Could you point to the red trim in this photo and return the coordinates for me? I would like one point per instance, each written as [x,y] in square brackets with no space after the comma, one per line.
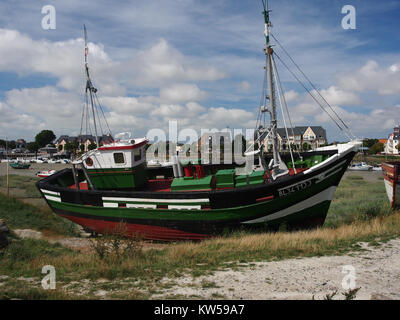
[264,199]
[105,148]
[148,232]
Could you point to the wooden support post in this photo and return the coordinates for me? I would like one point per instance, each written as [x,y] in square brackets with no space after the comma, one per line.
[87,177]
[75,174]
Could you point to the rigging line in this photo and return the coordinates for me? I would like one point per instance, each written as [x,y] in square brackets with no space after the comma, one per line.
[283,115]
[101,109]
[312,85]
[83,114]
[309,92]
[286,106]
[97,113]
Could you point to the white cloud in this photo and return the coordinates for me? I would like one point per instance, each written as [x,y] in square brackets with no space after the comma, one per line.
[182,93]
[372,77]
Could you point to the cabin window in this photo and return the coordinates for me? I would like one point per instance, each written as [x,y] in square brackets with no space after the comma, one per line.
[119,158]
[137,153]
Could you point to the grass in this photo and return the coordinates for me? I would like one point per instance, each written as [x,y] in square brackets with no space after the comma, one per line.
[19,215]
[24,186]
[355,199]
[359,213]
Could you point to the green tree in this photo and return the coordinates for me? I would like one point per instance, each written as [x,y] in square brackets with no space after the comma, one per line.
[369,142]
[44,137]
[306,146]
[376,148]
[33,147]
[60,147]
[92,146]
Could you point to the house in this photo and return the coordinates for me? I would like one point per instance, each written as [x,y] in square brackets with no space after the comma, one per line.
[393,142]
[313,136]
[84,140]
[20,144]
[48,149]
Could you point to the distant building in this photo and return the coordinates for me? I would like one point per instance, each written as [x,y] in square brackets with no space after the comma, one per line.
[393,141]
[84,140]
[48,149]
[314,136]
[20,144]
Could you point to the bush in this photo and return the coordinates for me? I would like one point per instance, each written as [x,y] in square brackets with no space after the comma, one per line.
[117,244]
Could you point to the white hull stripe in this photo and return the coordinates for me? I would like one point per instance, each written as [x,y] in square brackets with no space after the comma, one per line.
[50,192]
[52,198]
[156,200]
[310,202]
[184,207]
[142,206]
[110,204]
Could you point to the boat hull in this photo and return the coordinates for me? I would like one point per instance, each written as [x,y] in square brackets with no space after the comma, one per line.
[390,172]
[296,202]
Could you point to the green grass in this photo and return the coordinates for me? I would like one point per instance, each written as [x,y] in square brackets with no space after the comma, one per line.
[19,215]
[24,184]
[355,199]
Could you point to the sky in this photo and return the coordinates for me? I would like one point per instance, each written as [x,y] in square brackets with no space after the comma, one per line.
[200,63]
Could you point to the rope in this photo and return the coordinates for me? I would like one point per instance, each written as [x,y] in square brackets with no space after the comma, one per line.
[315,99]
[311,84]
[283,116]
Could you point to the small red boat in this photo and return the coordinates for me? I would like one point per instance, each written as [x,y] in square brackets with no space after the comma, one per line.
[45,174]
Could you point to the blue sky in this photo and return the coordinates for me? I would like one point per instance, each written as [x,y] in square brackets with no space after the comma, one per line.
[197,62]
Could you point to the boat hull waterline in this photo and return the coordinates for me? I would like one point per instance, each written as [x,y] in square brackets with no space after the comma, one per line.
[299,201]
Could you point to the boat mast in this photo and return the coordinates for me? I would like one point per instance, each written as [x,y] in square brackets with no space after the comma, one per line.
[268,53]
[89,86]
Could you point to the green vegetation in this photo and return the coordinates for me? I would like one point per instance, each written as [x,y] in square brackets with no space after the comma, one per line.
[44,137]
[356,199]
[18,214]
[359,213]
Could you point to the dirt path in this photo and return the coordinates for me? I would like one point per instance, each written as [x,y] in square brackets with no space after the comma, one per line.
[377,272]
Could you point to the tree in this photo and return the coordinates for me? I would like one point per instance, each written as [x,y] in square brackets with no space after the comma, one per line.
[60,147]
[33,147]
[369,142]
[306,146]
[44,137]
[2,143]
[92,146]
[376,148]
[82,147]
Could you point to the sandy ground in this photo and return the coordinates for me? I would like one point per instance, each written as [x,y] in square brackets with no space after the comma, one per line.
[377,274]
[34,168]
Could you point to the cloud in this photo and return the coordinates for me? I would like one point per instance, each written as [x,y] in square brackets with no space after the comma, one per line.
[182,93]
[374,78]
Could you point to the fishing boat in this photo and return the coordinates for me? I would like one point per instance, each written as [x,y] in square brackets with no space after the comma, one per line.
[20,165]
[391,173]
[361,166]
[46,173]
[194,200]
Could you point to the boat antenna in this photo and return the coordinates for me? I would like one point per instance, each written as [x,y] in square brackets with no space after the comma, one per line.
[89,86]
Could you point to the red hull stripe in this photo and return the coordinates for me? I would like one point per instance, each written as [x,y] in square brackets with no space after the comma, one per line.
[123,147]
[264,199]
[148,232]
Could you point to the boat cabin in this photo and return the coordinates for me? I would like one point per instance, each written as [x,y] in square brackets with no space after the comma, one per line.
[118,165]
